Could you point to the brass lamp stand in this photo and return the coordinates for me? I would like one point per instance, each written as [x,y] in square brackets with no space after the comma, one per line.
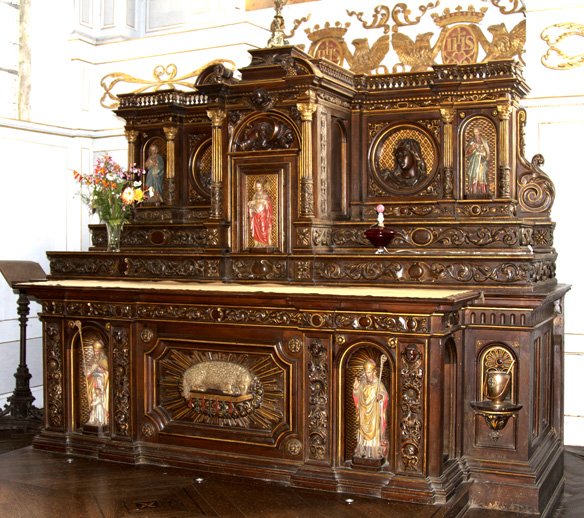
[20,413]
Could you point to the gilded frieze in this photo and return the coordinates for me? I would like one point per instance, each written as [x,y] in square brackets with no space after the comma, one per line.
[236,315]
[432,272]
[381,322]
[555,37]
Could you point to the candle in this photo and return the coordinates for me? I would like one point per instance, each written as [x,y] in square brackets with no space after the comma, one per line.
[380,209]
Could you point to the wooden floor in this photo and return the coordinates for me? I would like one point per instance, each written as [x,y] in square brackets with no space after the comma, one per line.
[36,484]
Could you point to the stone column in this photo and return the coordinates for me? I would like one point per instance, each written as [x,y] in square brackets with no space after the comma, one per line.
[170,133]
[448,115]
[217,117]
[306,182]
[504,169]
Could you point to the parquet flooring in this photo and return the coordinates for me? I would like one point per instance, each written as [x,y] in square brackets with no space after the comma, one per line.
[37,484]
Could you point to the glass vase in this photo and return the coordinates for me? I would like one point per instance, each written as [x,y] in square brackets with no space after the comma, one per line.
[114,232]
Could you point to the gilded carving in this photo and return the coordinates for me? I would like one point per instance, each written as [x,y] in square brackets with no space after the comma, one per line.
[121,381]
[295,345]
[294,447]
[147,335]
[54,373]
[556,58]
[411,424]
[237,391]
[221,389]
[318,399]
[382,322]
[108,82]
[303,269]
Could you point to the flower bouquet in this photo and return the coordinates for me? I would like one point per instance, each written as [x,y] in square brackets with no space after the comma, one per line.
[112,193]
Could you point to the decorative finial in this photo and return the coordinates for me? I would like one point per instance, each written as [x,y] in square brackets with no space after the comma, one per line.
[277,39]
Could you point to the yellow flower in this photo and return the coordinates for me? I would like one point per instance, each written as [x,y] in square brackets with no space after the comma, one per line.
[138,195]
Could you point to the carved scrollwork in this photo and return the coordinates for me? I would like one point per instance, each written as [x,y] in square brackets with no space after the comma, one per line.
[121,381]
[264,133]
[536,191]
[318,399]
[259,269]
[54,373]
[411,424]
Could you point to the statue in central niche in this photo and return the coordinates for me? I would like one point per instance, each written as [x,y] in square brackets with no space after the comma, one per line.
[154,166]
[260,216]
[371,398]
[410,167]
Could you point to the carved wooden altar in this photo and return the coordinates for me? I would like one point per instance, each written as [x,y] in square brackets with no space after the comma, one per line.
[247,366]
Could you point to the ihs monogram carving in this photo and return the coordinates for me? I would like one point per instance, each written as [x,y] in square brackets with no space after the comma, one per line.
[318,399]
[121,381]
[411,424]
[54,373]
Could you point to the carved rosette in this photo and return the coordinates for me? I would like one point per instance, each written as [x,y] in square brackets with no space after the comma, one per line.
[318,400]
[411,424]
[54,373]
[121,381]
[448,116]
[295,345]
